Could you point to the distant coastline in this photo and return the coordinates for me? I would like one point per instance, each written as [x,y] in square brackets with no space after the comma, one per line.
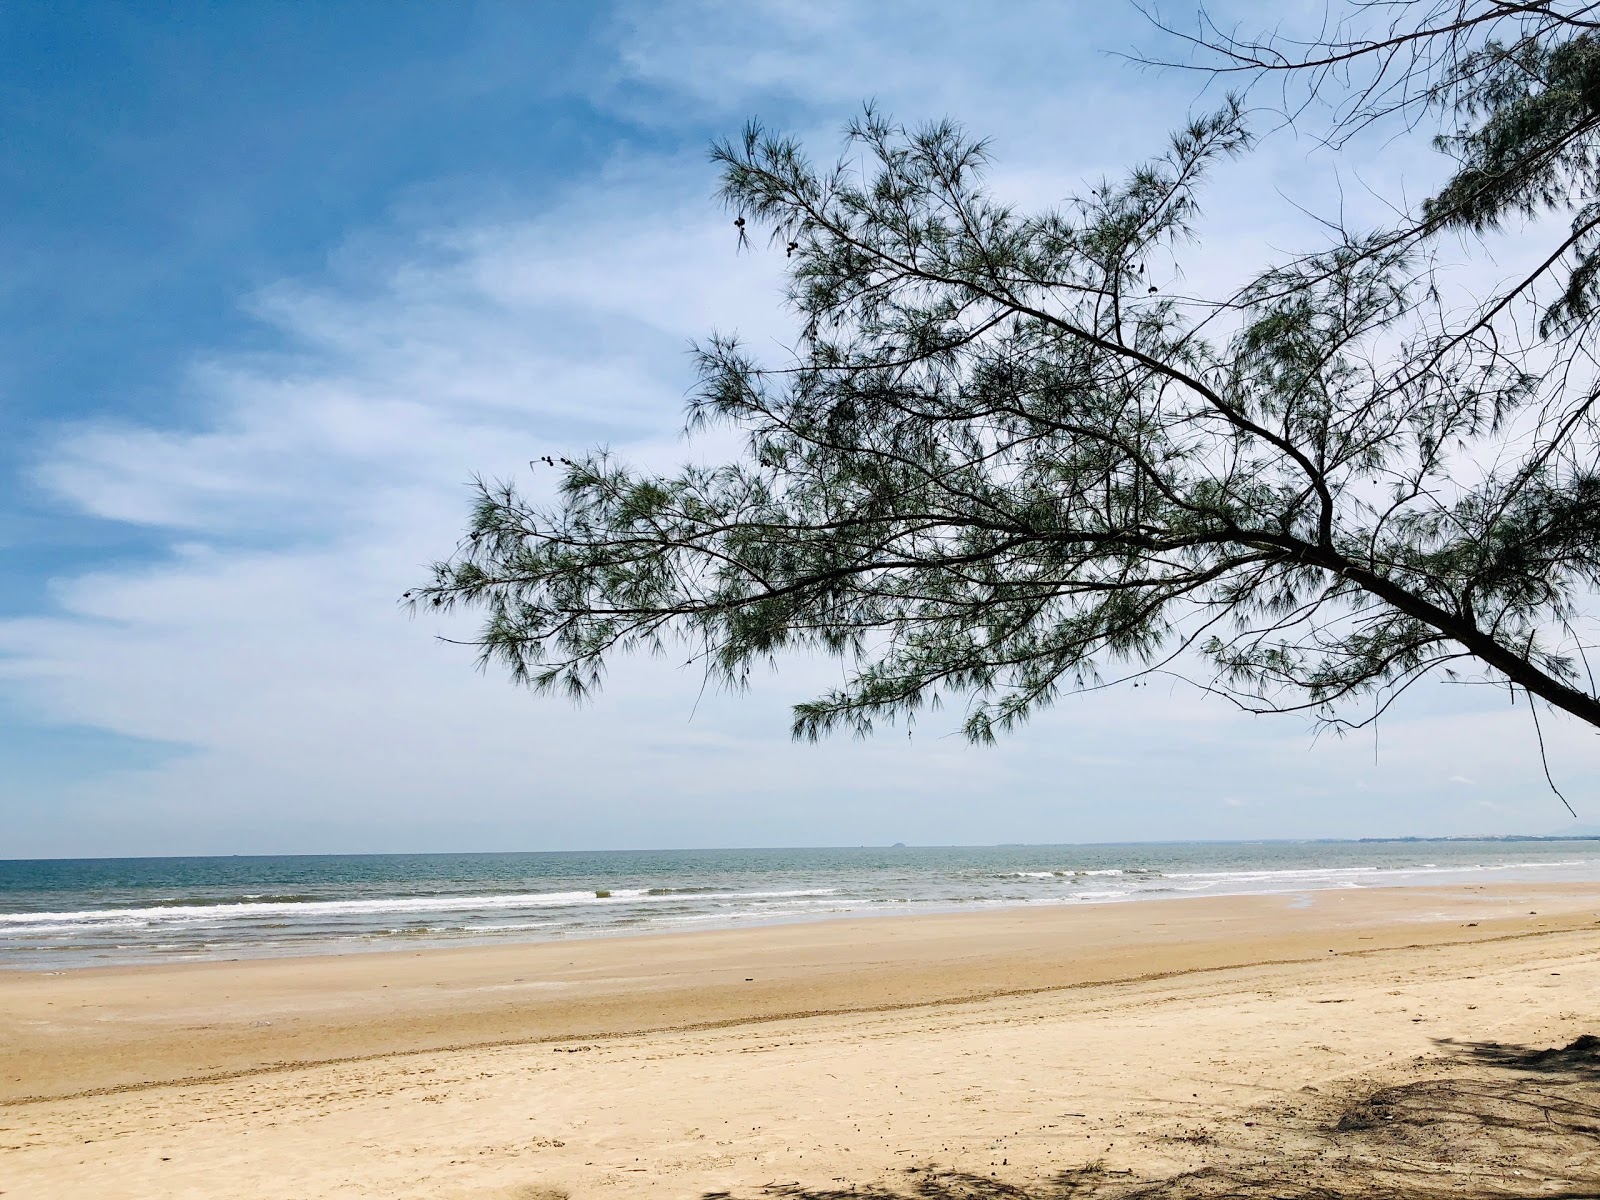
[1500,837]
[1591,836]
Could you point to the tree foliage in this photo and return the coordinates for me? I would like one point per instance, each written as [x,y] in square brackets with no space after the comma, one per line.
[1007,457]
[1514,87]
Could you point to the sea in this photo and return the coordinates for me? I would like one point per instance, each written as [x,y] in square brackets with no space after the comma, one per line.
[57,914]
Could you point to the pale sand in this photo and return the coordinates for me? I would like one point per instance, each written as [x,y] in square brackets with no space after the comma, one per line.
[1155,1037]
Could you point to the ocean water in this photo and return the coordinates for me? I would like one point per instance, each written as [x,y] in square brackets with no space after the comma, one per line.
[61,913]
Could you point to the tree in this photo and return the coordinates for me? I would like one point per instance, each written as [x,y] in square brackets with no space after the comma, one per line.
[1007,458]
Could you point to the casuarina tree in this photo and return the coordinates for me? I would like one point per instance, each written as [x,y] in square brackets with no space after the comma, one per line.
[1007,457]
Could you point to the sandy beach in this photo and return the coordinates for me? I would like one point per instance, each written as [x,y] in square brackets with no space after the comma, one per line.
[1063,1050]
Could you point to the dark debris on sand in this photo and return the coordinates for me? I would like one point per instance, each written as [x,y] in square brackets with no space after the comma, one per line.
[1491,1122]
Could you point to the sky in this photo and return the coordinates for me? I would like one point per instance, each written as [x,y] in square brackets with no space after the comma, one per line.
[282,279]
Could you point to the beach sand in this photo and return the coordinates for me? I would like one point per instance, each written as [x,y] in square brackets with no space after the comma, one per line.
[1079,1051]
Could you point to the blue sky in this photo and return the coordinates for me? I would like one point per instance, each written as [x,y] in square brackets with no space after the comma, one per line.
[281,278]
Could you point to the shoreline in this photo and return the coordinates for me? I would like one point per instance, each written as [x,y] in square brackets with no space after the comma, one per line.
[129,912]
[90,1029]
[426,941]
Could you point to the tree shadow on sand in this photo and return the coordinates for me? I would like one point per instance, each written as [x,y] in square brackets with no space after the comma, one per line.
[1489,1122]
[1579,1061]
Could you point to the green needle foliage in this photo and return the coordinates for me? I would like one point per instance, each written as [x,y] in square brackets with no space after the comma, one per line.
[1515,86]
[1006,459]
